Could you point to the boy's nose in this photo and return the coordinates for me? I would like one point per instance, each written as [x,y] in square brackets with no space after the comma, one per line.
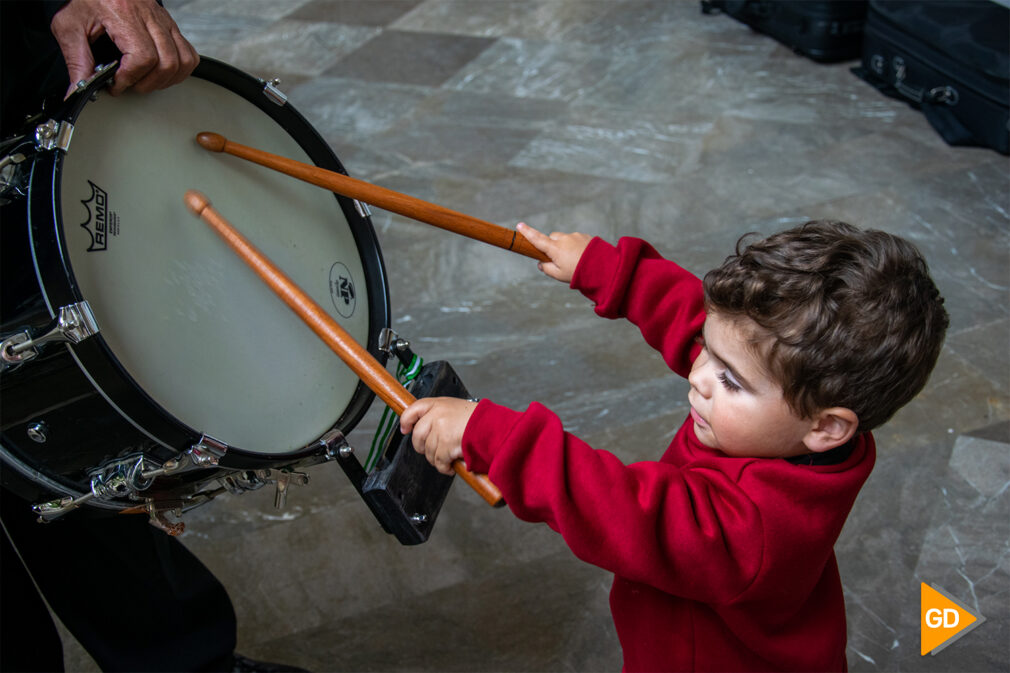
[697,379]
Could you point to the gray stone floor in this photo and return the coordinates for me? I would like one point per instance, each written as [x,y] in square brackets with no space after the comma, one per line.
[610,117]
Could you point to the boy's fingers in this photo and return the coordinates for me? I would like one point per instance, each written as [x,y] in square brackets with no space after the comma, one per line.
[430,423]
[444,466]
[414,412]
[432,439]
[547,245]
[540,241]
[442,460]
[551,269]
[425,439]
[417,436]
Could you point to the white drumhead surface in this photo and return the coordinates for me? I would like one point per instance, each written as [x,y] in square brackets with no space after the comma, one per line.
[189,321]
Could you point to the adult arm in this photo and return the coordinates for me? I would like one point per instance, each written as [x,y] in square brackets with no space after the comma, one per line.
[155,54]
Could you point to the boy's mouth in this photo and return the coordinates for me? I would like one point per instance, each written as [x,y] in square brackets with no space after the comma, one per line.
[698,419]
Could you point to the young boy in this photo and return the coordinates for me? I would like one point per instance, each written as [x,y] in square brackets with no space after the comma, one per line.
[722,551]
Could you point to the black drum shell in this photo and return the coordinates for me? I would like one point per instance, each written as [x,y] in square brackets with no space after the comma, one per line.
[89,422]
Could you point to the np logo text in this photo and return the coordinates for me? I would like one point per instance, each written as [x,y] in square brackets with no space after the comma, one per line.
[342,290]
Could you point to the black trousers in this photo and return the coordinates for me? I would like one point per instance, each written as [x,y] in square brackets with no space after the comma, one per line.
[134,597]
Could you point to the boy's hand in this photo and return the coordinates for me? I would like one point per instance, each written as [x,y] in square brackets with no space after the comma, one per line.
[437,424]
[565,250]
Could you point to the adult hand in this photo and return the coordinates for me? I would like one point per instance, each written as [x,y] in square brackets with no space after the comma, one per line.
[564,250]
[155,54]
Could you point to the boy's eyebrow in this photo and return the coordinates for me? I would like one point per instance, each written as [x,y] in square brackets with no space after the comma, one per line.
[732,370]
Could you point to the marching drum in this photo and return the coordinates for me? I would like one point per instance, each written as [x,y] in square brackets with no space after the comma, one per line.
[142,363]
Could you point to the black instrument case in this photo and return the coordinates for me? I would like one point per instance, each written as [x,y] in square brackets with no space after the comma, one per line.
[950,59]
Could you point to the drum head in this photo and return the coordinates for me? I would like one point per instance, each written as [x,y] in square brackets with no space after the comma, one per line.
[193,327]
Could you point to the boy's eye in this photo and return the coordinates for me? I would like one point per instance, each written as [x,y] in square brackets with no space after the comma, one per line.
[728,382]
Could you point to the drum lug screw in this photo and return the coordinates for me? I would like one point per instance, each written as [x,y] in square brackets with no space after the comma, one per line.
[419,519]
[38,432]
[344,451]
[274,94]
[334,444]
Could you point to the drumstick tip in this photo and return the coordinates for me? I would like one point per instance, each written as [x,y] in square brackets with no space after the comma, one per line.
[195,201]
[214,142]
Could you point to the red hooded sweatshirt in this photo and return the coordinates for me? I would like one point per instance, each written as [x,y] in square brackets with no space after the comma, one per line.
[720,563]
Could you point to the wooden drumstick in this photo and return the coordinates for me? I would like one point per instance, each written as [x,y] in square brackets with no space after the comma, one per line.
[387,199]
[367,368]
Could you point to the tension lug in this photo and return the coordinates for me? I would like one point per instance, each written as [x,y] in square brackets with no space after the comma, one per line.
[73,324]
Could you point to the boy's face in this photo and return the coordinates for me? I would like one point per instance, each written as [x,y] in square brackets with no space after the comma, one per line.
[736,407]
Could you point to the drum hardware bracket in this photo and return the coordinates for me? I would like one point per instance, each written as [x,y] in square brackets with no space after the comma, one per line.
[38,432]
[207,452]
[100,71]
[362,209]
[123,478]
[243,481]
[156,510]
[13,141]
[13,177]
[335,445]
[74,323]
[53,135]
[285,480]
[274,94]
[161,522]
[54,509]
[392,343]
[140,479]
[129,476]
[252,480]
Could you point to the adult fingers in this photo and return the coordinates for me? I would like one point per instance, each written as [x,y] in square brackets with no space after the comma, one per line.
[188,56]
[155,54]
[76,50]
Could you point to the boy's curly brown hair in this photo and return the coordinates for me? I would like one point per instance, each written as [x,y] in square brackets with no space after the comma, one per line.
[846,317]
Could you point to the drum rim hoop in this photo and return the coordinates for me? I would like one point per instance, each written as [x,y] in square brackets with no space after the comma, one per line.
[59,286]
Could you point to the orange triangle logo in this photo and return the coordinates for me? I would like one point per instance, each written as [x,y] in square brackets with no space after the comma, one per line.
[942,620]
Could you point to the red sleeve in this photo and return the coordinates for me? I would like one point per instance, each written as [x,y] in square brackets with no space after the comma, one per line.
[631,280]
[691,532]
[715,529]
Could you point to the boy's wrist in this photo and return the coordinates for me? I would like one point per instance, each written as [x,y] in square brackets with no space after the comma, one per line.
[595,267]
[488,426]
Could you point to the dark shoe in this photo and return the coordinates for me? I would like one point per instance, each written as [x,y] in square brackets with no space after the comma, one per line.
[242,664]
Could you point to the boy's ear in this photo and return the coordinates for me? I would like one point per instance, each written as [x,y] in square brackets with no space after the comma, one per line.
[832,427]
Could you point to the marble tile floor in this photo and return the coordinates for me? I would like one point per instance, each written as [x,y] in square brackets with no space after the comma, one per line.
[637,117]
